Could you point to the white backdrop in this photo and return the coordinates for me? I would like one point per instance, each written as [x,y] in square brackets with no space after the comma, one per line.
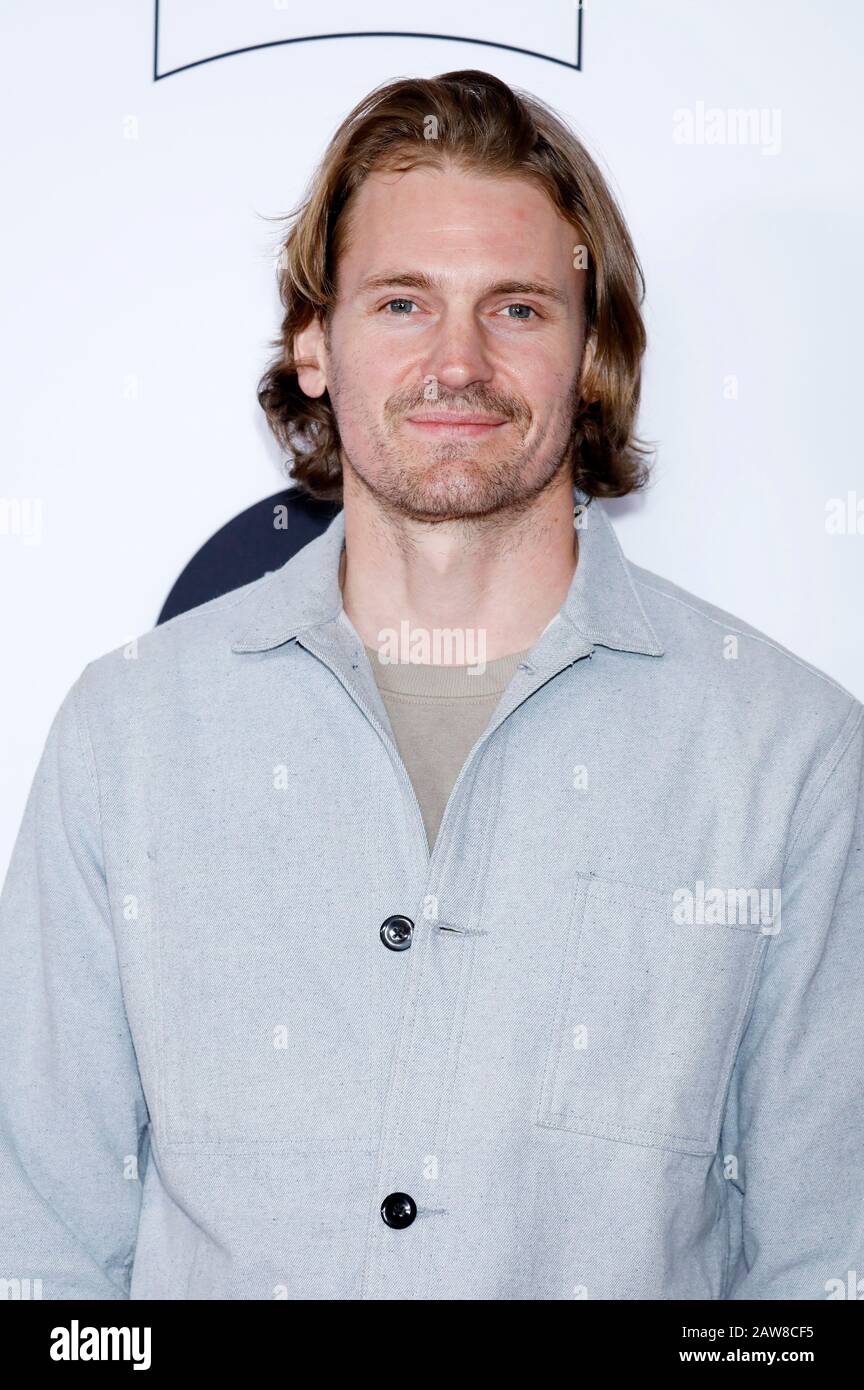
[140,297]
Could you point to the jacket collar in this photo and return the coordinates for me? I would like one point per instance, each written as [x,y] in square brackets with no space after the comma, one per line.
[602,606]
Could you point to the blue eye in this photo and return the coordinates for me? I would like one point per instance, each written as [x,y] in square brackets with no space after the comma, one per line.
[528,307]
[398,301]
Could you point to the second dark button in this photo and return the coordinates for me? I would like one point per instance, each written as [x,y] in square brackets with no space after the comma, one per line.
[399,1209]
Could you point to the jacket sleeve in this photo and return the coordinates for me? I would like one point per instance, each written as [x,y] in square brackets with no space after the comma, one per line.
[793,1138]
[72,1112]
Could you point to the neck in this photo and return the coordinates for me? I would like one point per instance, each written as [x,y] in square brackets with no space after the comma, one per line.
[502,578]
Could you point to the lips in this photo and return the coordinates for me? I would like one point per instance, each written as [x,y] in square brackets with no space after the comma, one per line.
[459,417]
[460,422]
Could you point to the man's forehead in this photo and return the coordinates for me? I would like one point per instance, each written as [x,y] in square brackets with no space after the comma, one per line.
[448,186]
[454,219]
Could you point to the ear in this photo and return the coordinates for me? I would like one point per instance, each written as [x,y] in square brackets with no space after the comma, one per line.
[310,353]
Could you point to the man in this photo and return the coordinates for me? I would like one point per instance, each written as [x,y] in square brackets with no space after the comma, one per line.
[332,973]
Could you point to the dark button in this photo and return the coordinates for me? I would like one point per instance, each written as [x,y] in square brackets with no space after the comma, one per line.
[398,1209]
[396,933]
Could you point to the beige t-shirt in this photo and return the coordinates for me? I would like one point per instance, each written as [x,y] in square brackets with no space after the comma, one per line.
[437,714]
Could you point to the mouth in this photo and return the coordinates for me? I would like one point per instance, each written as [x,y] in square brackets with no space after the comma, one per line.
[461,423]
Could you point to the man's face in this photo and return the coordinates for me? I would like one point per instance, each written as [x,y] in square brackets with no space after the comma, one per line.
[455,344]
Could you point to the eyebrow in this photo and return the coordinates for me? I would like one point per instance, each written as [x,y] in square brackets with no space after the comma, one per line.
[418,280]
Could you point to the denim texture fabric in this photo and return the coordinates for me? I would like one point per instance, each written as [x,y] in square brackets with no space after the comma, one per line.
[621,1059]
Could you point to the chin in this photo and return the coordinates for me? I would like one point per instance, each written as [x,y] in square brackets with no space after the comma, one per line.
[451,500]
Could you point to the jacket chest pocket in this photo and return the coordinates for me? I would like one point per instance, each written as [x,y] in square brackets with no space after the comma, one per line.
[647,1019]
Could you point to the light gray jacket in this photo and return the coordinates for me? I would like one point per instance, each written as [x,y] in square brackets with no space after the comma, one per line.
[620,1055]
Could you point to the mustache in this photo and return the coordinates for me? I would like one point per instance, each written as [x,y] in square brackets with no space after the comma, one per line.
[481,401]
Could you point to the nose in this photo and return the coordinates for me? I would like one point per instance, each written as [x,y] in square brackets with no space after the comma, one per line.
[458,354]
